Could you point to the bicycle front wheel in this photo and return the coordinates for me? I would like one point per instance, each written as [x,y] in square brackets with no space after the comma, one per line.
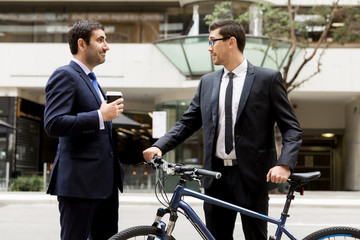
[139,232]
[334,233]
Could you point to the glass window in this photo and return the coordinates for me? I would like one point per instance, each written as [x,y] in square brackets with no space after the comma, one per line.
[125,22]
[191,150]
[130,22]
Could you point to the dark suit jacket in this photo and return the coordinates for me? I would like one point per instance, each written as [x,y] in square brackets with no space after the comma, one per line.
[86,163]
[263,102]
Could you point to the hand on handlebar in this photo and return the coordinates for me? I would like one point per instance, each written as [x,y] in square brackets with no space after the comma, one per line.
[188,172]
[151,152]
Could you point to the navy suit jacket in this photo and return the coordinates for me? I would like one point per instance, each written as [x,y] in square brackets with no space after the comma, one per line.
[263,102]
[86,163]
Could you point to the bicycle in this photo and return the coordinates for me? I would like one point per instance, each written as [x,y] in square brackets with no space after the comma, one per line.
[161,230]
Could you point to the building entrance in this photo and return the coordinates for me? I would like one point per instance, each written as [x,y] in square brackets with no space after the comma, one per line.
[321,155]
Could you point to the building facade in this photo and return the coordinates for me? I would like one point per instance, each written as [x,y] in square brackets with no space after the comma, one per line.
[162,75]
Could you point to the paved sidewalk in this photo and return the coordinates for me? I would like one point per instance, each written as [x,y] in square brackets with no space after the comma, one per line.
[310,198]
[35,215]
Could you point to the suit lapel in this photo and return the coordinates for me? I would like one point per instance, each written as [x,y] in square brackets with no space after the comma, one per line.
[215,95]
[249,80]
[90,86]
[87,81]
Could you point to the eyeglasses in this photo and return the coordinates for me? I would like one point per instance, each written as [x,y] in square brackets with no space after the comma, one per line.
[212,41]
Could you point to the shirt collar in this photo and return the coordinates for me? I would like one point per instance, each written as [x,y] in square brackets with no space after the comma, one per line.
[239,69]
[83,66]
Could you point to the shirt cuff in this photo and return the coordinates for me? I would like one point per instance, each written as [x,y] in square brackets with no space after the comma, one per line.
[101,120]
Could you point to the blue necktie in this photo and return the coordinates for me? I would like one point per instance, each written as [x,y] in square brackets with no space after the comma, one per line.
[228,115]
[95,84]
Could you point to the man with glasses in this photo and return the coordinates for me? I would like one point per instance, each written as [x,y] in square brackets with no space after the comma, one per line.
[238,106]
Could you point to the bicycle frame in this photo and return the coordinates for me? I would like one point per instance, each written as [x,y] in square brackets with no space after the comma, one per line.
[181,191]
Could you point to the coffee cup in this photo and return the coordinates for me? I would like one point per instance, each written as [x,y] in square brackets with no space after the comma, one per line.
[113,95]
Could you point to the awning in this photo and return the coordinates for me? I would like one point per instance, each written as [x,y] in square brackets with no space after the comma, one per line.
[123,120]
[5,124]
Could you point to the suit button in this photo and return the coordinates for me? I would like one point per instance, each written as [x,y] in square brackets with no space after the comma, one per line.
[111,154]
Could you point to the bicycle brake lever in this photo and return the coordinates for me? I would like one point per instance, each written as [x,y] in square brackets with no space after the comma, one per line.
[197,180]
[152,163]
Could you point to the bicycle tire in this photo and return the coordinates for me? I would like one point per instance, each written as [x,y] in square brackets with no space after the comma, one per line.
[335,233]
[138,232]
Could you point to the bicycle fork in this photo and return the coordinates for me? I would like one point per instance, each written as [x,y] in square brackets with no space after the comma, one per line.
[165,233]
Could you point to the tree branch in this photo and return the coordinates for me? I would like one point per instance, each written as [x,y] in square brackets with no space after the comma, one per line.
[317,46]
[293,44]
[293,86]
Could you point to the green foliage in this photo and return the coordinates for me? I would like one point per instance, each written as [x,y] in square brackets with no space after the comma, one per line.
[323,11]
[222,11]
[28,183]
[243,18]
[276,21]
[350,31]
[320,25]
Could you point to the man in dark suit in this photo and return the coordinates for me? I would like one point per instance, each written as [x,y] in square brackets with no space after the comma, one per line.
[87,173]
[243,148]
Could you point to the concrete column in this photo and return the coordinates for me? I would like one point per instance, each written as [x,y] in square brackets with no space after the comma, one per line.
[255,24]
[352,146]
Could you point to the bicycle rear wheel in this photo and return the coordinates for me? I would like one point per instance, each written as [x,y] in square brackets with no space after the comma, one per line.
[139,232]
[334,233]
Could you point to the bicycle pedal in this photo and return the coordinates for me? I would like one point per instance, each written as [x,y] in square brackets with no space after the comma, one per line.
[272,238]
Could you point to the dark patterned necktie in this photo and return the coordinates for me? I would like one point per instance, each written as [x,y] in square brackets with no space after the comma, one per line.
[228,115]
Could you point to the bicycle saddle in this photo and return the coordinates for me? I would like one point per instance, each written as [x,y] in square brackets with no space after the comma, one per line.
[304,177]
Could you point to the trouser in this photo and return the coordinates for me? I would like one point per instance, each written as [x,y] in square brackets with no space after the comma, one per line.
[93,219]
[221,221]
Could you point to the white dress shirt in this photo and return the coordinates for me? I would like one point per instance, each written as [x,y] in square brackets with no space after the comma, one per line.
[87,71]
[238,83]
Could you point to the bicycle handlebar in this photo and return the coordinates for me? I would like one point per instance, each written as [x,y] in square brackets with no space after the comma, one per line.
[208,173]
[179,169]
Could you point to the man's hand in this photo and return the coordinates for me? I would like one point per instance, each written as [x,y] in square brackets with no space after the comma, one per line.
[151,152]
[111,110]
[278,174]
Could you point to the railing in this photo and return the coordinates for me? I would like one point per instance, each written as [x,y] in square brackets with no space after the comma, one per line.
[138,178]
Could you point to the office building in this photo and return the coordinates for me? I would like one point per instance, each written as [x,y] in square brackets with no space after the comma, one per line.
[158,52]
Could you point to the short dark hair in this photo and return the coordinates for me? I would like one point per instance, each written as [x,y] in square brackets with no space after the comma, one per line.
[82,29]
[230,28]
